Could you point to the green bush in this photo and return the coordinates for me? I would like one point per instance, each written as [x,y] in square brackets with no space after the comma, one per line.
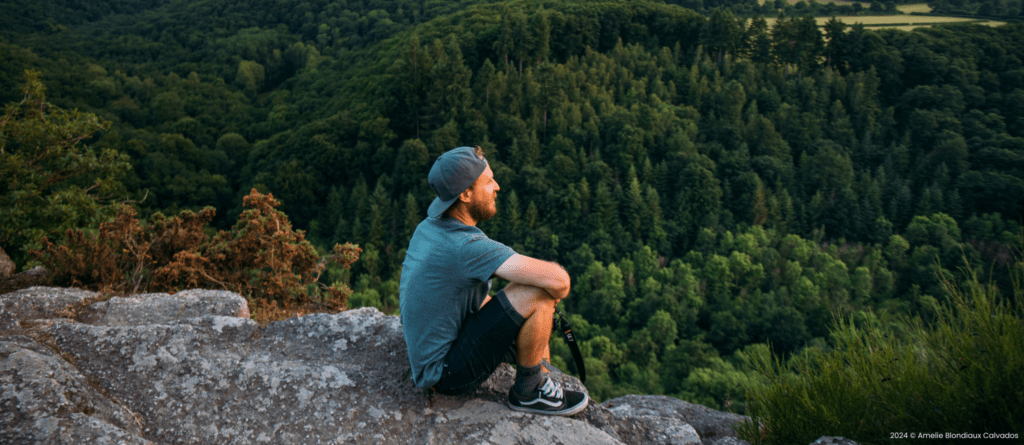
[962,373]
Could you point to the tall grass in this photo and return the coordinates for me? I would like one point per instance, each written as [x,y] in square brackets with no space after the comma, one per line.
[962,373]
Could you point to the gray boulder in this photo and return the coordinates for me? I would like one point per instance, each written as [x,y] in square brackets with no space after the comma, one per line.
[36,276]
[144,309]
[313,379]
[709,424]
[833,440]
[192,368]
[47,302]
[44,399]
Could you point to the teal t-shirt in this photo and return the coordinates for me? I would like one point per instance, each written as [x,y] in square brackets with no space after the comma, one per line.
[445,277]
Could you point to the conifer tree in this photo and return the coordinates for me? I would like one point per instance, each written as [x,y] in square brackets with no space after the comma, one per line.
[50,181]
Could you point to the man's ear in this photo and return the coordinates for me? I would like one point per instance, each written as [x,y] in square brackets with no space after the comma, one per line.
[467,195]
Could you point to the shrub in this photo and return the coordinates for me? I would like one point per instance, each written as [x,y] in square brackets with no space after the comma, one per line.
[261,258]
[960,374]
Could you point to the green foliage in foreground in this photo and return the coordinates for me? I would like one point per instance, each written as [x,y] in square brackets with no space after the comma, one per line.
[960,374]
[49,180]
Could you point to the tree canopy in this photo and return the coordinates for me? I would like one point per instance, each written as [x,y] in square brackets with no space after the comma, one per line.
[711,183]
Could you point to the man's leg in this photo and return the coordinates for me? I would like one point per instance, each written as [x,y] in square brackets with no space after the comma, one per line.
[485,341]
[533,391]
[538,308]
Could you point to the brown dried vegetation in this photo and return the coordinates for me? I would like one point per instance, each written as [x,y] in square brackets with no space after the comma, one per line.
[261,258]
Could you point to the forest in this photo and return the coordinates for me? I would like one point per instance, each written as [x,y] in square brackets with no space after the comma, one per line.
[716,187]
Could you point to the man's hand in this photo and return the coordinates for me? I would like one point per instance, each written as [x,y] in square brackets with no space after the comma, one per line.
[533,272]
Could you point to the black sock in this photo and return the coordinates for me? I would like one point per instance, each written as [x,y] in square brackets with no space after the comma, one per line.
[528,378]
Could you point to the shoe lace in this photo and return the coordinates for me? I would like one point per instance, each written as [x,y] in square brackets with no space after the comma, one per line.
[551,389]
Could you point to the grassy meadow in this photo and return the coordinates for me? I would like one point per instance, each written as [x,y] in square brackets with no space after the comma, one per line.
[916,7]
[838,2]
[905,21]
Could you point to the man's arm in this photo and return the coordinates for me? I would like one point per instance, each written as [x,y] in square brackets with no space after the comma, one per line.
[537,273]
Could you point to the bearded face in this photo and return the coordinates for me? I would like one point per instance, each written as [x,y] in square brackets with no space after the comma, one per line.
[482,195]
[485,207]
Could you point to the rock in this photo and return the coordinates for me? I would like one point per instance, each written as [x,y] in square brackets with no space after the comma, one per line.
[192,368]
[46,400]
[35,276]
[7,267]
[729,440]
[46,302]
[830,440]
[318,378]
[146,309]
[708,423]
[8,323]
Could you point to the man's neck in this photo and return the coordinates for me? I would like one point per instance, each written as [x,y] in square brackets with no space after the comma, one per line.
[462,215]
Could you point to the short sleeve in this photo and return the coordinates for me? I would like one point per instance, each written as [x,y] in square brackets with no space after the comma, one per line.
[482,256]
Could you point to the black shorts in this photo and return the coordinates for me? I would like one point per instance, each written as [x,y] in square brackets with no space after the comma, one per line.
[487,340]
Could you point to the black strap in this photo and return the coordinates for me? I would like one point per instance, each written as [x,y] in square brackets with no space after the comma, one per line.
[571,339]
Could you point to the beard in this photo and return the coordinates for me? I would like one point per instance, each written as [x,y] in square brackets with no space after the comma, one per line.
[483,211]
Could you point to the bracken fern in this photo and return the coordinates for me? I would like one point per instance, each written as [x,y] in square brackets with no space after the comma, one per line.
[261,258]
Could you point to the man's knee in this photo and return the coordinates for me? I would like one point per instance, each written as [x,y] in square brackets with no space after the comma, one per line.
[527,299]
[523,291]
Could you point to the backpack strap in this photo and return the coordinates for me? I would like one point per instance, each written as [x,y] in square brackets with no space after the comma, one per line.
[575,348]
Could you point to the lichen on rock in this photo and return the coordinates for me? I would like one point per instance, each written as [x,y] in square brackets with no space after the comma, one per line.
[193,368]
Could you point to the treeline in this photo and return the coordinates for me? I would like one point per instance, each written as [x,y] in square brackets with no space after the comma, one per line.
[989,8]
[711,183]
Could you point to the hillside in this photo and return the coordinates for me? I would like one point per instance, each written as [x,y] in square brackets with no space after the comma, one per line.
[715,187]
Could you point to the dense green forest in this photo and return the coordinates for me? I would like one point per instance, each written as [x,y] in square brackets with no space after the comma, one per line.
[710,183]
[991,8]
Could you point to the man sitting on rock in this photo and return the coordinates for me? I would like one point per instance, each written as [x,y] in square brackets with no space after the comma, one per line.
[456,333]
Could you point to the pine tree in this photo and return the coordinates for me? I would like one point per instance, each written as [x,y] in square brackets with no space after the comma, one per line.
[532,217]
[633,209]
[505,43]
[541,23]
[412,218]
[513,224]
[835,48]
[381,219]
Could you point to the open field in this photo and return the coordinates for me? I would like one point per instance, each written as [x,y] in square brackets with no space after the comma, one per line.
[838,2]
[910,27]
[904,22]
[906,9]
[916,7]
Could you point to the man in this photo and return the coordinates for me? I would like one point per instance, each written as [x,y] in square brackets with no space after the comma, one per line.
[456,334]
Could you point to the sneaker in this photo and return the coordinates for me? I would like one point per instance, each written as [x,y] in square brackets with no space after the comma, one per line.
[548,399]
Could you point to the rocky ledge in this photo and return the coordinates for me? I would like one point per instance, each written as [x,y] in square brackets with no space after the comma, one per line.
[193,368]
